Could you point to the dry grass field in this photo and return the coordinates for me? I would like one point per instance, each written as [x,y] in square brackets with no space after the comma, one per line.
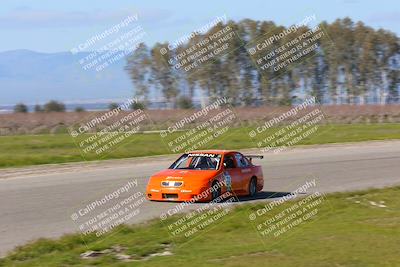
[57,122]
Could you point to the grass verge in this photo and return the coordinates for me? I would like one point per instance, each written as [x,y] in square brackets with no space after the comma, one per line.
[23,150]
[350,229]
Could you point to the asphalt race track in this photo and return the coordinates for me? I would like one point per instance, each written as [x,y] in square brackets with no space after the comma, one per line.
[38,201]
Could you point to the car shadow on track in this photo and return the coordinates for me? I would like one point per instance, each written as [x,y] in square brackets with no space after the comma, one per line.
[264,195]
[267,195]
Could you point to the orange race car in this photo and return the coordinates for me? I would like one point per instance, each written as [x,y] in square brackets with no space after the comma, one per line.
[206,175]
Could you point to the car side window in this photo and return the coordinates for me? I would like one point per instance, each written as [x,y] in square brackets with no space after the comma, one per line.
[229,163]
[241,161]
[246,161]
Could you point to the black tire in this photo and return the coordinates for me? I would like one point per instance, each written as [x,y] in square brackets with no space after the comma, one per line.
[215,190]
[253,187]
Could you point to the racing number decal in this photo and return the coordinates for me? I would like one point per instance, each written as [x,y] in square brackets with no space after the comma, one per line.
[228,181]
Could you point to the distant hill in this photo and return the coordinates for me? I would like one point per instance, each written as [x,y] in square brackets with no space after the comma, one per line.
[32,77]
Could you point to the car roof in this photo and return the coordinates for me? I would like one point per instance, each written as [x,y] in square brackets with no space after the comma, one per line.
[213,151]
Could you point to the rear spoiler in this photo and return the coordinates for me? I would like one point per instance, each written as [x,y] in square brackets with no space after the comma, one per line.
[254,156]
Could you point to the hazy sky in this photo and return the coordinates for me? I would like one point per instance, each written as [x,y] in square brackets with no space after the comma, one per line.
[52,26]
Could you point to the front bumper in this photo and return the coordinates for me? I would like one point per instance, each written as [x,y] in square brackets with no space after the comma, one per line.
[177,194]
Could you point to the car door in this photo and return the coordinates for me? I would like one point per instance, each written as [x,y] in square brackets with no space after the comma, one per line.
[244,172]
[231,173]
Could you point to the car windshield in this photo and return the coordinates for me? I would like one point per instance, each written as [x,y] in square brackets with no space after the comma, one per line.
[197,161]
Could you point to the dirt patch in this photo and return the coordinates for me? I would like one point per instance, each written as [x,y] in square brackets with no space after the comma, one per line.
[119,252]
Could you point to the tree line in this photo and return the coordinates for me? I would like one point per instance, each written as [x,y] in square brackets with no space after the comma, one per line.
[57,106]
[51,106]
[361,67]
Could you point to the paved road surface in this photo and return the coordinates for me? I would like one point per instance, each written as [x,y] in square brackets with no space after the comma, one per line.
[38,201]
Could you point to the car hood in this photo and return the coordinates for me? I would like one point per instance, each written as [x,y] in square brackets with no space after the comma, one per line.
[177,175]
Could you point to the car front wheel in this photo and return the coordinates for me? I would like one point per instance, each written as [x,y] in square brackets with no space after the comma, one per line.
[215,190]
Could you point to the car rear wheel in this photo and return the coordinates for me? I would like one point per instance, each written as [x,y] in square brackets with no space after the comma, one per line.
[215,190]
[253,187]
